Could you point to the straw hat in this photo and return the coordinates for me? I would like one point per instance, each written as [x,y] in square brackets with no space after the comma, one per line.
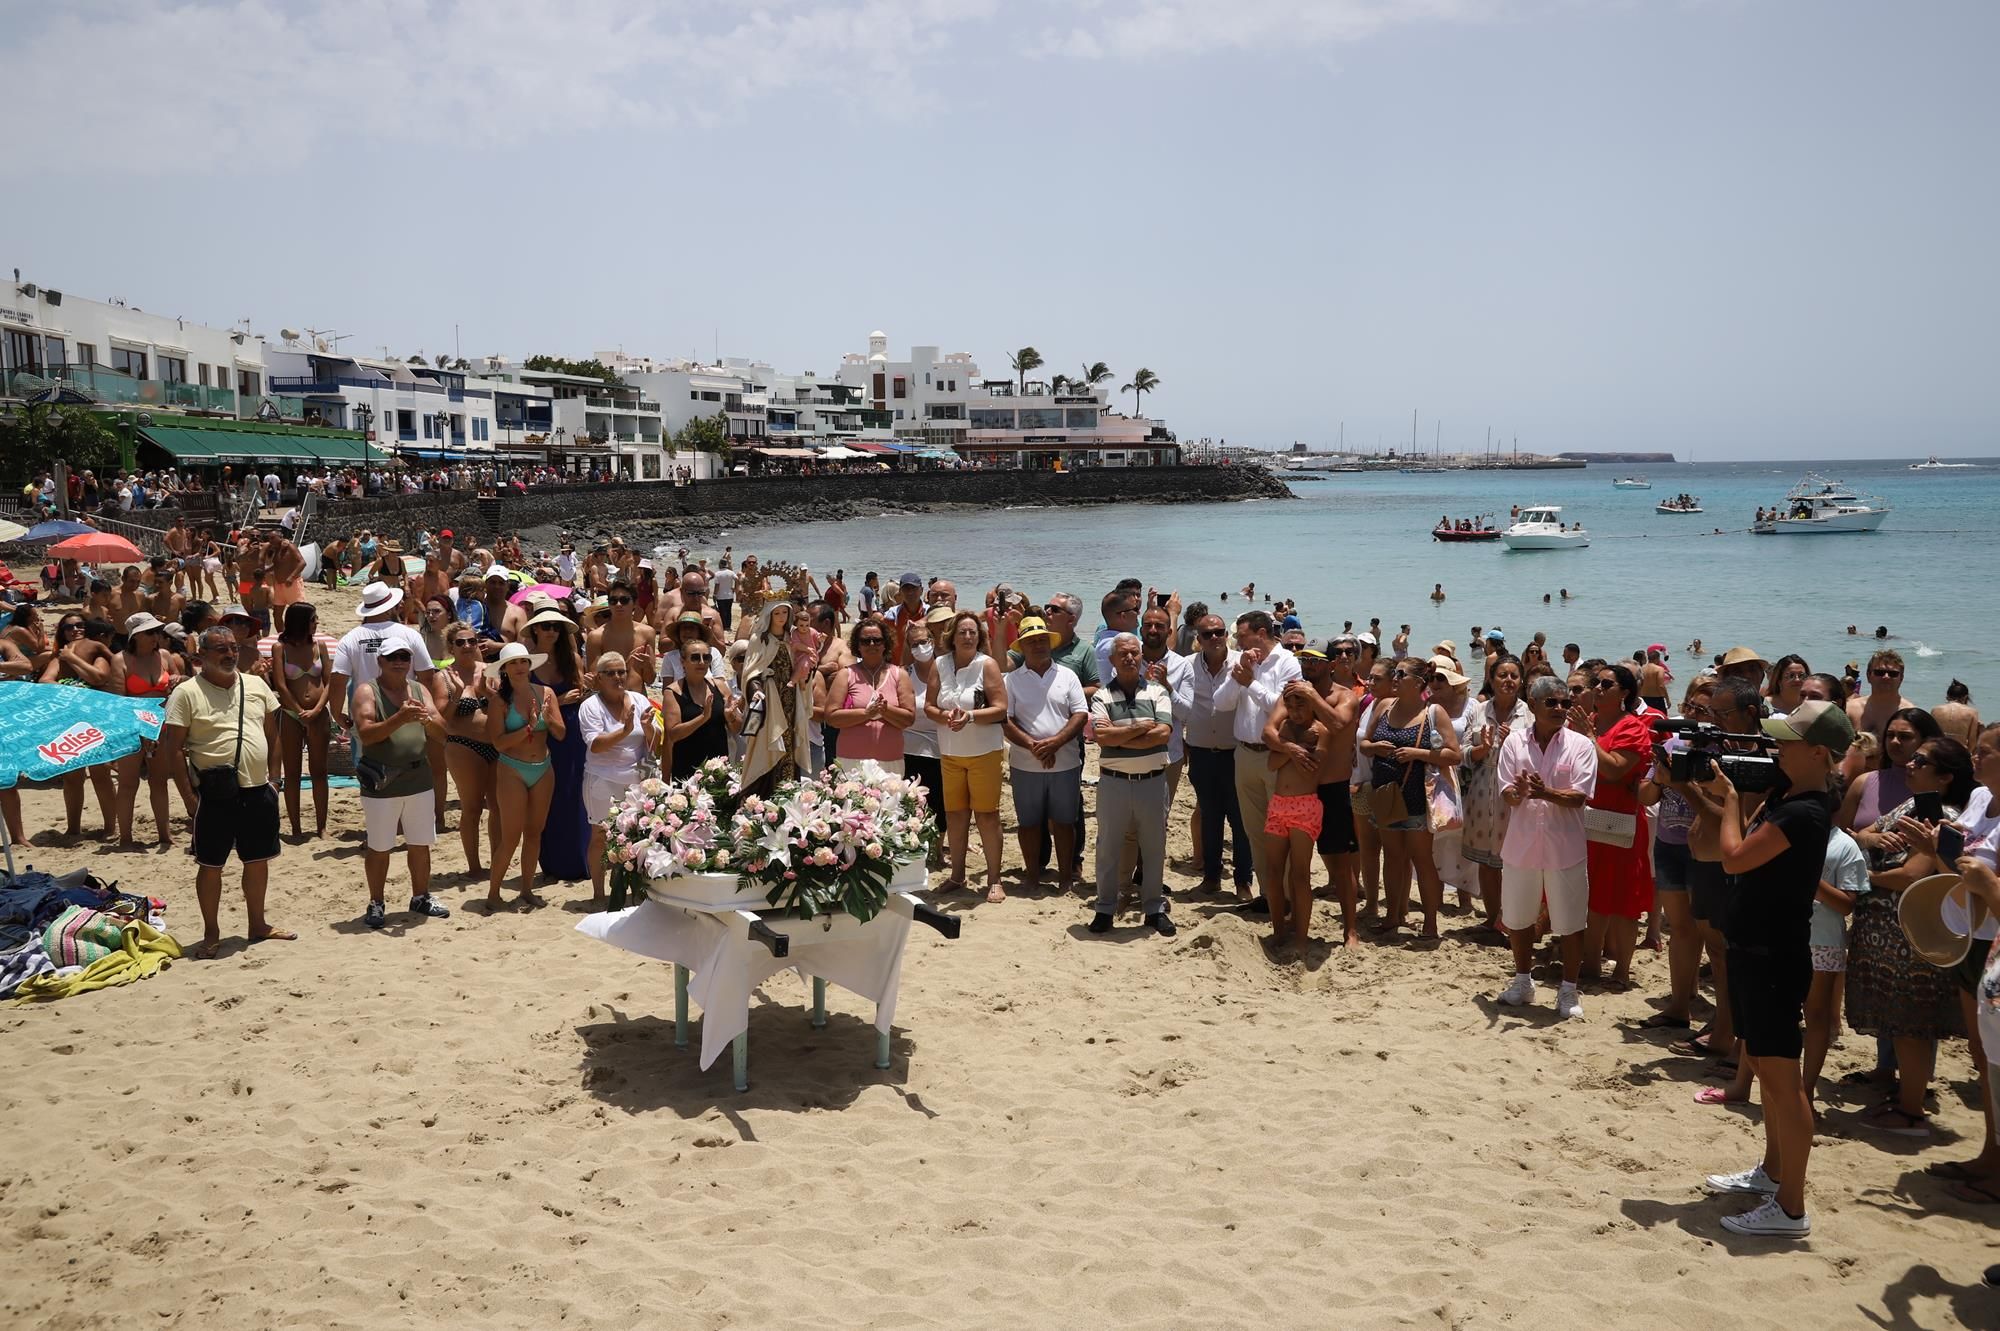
[1736,656]
[1921,913]
[143,622]
[1033,626]
[514,651]
[1447,670]
[550,616]
[941,614]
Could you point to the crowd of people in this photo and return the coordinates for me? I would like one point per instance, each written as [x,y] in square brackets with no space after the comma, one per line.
[1759,816]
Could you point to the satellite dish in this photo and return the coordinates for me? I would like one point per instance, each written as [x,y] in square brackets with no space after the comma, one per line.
[289,334]
[319,344]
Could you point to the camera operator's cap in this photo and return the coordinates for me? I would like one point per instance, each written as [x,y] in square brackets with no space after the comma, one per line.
[1737,656]
[910,580]
[1814,722]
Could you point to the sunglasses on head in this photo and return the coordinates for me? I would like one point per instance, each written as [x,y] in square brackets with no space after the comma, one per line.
[1406,674]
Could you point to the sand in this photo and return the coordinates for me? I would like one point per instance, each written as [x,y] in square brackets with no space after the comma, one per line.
[485,1122]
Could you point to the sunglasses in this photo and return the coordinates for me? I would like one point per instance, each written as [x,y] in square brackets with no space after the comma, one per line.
[1921,760]
[1406,674]
[873,642]
[698,658]
[621,600]
[1883,672]
[1345,651]
[1212,633]
[1552,702]
[1604,683]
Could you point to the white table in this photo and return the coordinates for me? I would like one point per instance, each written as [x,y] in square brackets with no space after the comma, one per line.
[721,953]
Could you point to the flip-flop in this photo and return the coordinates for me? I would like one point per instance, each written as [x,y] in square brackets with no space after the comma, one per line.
[1692,1047]
[995,895]
[1662,1021]
[1858,1077]
[1886,1117]
[281,935]
[205,949]
[1978,1194]
[1714,1095]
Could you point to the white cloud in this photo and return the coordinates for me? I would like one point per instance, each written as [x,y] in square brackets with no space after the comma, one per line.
[227,86]
[160,85]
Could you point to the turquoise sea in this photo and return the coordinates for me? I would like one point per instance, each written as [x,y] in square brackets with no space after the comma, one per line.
[1358,545]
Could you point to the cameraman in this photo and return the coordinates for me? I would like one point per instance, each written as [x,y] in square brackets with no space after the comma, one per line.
[1732,707]
[1775,860]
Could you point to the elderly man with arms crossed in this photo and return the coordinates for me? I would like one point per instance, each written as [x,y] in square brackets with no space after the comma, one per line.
[1132,717]
[1046,711]
[1547,773]
[1251,692]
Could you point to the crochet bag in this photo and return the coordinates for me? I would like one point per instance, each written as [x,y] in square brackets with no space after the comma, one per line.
[81,935]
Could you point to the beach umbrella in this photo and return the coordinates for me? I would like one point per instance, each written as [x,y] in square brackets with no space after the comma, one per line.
[11,531]
[98,547]
[555,589]
[57,528]
[51,730]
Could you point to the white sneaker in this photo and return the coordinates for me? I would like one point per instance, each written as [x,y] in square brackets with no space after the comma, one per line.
[1567,1003]
[1520,993]
[1769,1221]
[1753,1180]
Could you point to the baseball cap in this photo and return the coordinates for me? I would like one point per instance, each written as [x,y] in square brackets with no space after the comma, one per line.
[1368,638]
[1290,622]
[910,580]
[1496,634]
[445,535]
[1814,722]
[1310,654]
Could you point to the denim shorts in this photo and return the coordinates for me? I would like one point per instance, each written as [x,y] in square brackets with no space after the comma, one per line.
[1670,865]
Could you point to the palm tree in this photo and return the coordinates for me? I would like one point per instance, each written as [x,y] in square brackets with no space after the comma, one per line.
[1095,373]
[1060,383]
[1022,361]
[1143,381]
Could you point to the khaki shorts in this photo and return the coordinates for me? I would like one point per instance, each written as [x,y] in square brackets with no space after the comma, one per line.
[972,783]
[1567,891]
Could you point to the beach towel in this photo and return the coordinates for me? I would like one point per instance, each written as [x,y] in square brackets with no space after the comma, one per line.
[143,952]
[23,963]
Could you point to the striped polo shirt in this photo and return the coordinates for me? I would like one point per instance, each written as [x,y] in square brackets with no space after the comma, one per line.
[1149,702]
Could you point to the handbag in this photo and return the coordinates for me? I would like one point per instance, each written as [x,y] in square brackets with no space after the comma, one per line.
[1608,827]
[1442,806]
[1385,802]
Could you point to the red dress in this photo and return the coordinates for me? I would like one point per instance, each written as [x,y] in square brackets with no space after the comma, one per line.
[1621,878]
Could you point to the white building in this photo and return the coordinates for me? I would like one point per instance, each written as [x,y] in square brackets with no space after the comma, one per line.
[618,426]
[925,397]
[120,356]
[424,412]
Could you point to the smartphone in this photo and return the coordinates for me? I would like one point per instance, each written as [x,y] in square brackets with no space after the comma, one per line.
[1951,844]
[1161,599]
[1929,807]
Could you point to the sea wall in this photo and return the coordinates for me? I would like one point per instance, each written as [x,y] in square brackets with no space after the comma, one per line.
[589,508]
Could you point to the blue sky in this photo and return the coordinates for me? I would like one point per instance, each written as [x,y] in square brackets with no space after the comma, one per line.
[1757,228]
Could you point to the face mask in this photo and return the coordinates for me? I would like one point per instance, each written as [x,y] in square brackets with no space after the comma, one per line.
[922,653]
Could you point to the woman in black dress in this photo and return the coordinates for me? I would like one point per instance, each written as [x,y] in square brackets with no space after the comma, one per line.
[702,711]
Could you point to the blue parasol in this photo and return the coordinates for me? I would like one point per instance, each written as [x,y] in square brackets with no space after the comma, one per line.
[55,529]
[50,730]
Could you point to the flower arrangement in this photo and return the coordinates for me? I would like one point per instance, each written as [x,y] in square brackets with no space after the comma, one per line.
[820,845]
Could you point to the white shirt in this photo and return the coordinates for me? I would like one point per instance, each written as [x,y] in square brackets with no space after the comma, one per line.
[1253,702]
[358,650]
[1206,727]
[620,762]
[1180,688]
[723,585]
[1981,824]
[1042,705]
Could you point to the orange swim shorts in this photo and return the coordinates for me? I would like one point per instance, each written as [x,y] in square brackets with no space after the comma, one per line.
[1294,813]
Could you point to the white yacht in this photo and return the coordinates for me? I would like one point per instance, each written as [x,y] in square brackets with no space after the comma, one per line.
[1932,464]
[1817,505]
[1631,483]
[1540,527]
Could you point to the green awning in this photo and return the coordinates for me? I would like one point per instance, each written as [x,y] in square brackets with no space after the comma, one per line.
[217,442]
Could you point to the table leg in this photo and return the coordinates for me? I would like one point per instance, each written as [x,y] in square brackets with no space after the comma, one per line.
[819,1004]
[741,1048]
[680,1007]
[881,1049]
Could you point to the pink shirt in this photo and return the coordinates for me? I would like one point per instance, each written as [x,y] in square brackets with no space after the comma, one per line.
[1540,833]
[875,739]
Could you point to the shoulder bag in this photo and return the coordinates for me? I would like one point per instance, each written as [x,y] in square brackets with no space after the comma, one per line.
[1609,827]
[210,781]
[1444,811]
[1385,803]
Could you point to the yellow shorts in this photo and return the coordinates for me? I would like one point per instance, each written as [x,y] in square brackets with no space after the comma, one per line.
[972,783]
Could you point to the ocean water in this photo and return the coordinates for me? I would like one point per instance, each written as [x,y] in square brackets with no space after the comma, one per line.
[1359,546]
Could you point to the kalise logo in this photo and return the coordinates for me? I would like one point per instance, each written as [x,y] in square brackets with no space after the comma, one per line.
[72,744]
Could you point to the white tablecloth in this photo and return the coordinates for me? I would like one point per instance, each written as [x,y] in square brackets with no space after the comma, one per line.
[726,967]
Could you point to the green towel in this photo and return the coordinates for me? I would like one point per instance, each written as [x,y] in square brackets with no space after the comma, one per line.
[145,950]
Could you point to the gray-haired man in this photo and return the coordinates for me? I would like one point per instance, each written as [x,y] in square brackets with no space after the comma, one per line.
[1132,717]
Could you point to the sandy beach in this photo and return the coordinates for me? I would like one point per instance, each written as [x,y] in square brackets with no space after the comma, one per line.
[484,1121]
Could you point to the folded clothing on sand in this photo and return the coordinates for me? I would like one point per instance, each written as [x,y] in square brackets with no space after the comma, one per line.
[142,952]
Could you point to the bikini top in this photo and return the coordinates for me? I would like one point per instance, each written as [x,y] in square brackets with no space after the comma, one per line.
[138,686]
[515,720]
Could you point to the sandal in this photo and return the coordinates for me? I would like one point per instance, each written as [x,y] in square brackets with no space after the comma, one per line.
[1976,1192]
[1663,1021]
[1894,1119]
[996,894]
[1692,1047]
[1714,1095]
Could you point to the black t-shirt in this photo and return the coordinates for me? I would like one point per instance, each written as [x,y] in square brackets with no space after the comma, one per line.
[1771,906]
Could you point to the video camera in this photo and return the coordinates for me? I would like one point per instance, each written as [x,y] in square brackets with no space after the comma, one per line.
[1750,772]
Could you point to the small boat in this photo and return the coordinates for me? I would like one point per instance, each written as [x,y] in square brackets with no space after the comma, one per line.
[1540,527]
[1422,471]
[1817,505]
[1476,533]
[1684,504]
[1631,483]
[1932,464]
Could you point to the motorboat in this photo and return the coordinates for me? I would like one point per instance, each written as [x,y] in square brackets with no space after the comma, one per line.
[1816,505]
[1932,464]
[1540,527]
[1680,504]
[1480,530]
[1631,483]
